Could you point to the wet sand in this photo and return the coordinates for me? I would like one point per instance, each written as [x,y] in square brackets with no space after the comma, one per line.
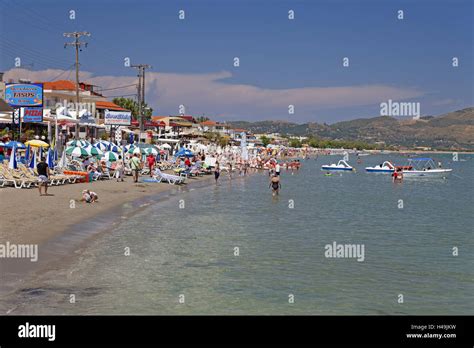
[29,218]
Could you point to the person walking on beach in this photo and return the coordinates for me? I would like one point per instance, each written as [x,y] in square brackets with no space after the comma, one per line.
[151,163]
[119,169]
[217,171]
[136,166]
[275,185]
[43,176]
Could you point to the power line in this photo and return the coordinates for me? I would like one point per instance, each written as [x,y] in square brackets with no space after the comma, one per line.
[110,89]
[123,95]
[65,71]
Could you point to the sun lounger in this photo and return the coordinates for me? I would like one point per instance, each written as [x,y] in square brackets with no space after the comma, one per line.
[14,178]
[169,178]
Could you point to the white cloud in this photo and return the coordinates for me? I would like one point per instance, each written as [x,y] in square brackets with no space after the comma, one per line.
[210,94]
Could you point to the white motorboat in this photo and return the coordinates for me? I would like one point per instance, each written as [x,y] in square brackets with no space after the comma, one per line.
[341,165]
[424,167]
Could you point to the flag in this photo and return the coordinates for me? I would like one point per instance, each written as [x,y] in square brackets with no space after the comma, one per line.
[13,163]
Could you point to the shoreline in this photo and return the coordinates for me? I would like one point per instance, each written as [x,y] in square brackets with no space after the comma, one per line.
[31,220]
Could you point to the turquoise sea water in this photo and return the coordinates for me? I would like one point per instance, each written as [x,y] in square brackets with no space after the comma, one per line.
[190,250]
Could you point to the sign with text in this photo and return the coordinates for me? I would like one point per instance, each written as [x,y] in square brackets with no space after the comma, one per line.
[24,94]
[32,115]
[118,118]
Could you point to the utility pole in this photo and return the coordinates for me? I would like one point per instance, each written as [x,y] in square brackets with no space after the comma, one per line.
[77,44]
[141,93]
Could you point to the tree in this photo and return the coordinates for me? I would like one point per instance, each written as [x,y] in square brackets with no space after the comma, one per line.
[202,119]
[132,105]
[295,143]
[265,141]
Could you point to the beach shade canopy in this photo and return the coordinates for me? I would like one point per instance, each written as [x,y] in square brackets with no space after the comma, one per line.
[50,159]
[152,151]
[93,151]
[114,148]
[78,143]
[184,152]
[77,151]
[128,147]
[102,145]
[32,164]
[28,154]
[37,143]
[13,164]
[110,156]
[15,144]
[138,150]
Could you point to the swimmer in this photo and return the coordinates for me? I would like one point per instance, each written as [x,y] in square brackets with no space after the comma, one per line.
[275,185]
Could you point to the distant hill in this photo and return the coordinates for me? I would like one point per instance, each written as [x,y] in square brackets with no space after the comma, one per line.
[454,130]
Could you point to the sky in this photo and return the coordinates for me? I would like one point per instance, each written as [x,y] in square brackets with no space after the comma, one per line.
[283,62]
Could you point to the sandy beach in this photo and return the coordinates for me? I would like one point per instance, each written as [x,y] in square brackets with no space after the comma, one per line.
[34,219]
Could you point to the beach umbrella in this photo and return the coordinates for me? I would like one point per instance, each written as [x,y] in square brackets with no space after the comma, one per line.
[37,143]
[152,151]
[128,147]
[15,144]
[33,161]
[165,146]
[110,156]
[28,154]
[137,150]
[102,145]
[114,148]
[49,159]
[13,164]
[55,154]
[93,151]
[78,143]
[63,161]
[77,152]
[2,143]
[131,138]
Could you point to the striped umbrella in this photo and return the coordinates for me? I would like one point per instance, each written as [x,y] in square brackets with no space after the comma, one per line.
[49,159]
[137,150]
[28,154]
[152,151]
[13,164]
[110,156]
[14,144]
[93,151]
[128,147]
[33,161]
[102,145]
[77,152]
[78,143]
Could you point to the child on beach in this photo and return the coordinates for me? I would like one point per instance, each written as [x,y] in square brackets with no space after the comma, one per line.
[89,196]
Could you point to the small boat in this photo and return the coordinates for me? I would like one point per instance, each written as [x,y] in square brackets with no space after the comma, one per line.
[385,167]
[341,165]
[424,167]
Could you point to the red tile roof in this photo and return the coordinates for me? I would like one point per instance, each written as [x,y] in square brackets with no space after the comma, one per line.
[108,105]
[64,85]
[209,123]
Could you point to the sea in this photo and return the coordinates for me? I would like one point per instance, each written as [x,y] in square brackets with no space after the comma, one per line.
[232,248]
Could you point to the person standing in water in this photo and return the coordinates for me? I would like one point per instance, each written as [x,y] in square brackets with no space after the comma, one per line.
[217,171]
[275,185]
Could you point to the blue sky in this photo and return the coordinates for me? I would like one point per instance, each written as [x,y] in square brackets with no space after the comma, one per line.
[281,61]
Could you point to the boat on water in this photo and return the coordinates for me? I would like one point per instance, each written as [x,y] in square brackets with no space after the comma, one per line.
[385,167]
[341,165]
[424,167]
